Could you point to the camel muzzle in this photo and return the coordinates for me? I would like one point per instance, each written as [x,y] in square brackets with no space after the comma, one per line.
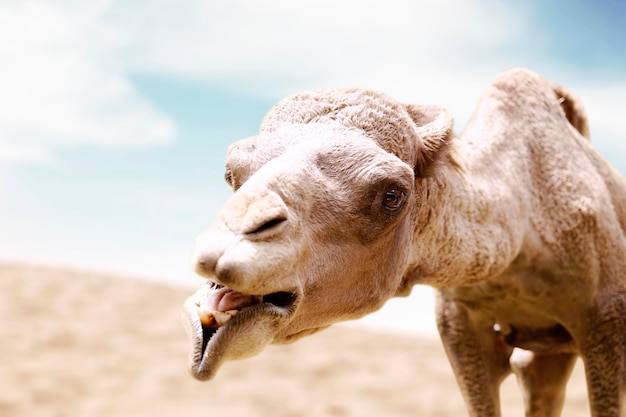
[223,324]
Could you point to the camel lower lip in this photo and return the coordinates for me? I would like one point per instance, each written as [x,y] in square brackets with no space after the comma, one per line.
[209,331]
[245,334]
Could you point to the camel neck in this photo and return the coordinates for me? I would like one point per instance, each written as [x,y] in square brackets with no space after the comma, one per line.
[466,226]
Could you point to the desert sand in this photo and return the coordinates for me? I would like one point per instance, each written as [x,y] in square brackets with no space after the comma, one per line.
[89,345]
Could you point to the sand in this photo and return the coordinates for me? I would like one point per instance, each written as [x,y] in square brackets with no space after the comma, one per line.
[88,345]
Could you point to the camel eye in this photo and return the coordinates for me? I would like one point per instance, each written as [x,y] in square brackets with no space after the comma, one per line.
[228,176]
[393,199]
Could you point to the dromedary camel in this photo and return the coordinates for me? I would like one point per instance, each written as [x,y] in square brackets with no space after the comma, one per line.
[347,198]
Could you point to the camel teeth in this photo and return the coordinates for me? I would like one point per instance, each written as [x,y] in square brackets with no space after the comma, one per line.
[206,317]
[215,318]
[223,317]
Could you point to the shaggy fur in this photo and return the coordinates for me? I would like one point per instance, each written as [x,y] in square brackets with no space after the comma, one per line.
[347,198]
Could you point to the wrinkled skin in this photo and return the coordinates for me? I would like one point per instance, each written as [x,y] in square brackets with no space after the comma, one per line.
[347,198]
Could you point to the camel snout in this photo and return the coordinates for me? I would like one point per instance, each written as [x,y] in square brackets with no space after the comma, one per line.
[210,246]
[247,243]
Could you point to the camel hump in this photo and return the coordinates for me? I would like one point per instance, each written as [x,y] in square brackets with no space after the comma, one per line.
[521,82]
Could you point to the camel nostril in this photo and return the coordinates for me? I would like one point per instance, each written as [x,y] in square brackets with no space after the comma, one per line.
[204,267]
[225,274]
[268,225]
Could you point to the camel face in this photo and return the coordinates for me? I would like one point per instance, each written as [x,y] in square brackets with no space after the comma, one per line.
[316,232]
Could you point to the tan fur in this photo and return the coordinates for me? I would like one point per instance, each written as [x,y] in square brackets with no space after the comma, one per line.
[518,223]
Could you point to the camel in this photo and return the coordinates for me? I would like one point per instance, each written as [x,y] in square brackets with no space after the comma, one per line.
[347,198]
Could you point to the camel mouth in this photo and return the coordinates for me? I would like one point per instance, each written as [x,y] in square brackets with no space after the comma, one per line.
[236,333]
[280,299]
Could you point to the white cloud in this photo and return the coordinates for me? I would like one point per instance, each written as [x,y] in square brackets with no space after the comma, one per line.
[11,152]
[65,71]
[396,45]
[63,86]
[437,52]
[315,37]
[442,52]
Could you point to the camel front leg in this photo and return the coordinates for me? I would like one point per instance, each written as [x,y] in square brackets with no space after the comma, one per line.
[603,349]
[478,355]
[543,379]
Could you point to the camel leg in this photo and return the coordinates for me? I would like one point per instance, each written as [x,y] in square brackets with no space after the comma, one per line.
[542,378]
[478,355]
[603,349]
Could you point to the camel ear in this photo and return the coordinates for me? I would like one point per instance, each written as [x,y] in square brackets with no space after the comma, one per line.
[573,109]
[434,129]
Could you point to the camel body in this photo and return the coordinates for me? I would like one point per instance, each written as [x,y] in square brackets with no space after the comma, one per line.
[347,198]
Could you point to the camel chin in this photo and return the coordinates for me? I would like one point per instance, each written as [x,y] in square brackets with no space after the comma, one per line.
[238,333]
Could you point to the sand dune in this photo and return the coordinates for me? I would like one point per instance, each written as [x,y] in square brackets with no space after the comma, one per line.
[89,345]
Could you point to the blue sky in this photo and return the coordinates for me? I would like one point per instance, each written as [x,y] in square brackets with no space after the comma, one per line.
[115,116]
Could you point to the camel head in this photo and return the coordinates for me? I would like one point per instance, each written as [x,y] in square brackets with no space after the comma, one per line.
[320,226]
